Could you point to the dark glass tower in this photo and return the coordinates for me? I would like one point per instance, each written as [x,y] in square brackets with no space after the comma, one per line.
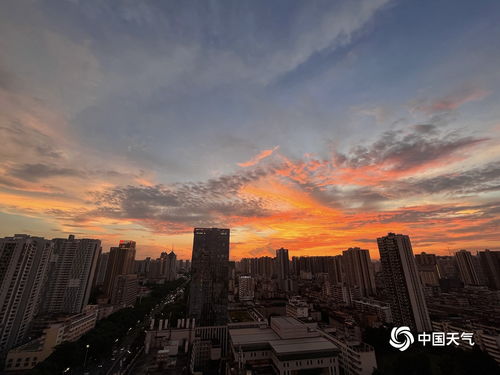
[210,276]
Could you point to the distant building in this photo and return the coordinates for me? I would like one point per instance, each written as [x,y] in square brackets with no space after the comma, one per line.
[297,308]
[490,262]
[102,264]
[311,266]
[427,269]
[402,283]
[283,268]
[168,266]
[358,270]
[71,274]
[246,288]
[125,290]
[447,267]
[467,268]
[120,262]
[374,307]
[24,262]
[210,276]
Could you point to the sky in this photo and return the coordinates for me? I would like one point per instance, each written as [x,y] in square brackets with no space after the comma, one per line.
[310,125]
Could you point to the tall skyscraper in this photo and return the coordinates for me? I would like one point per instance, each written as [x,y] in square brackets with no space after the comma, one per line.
[467,268]
[210,276]
[402,282]
[168,265]
[71,270]
[490,262]
[102,264]
[120,262]
[358,270]
[282,264]
[23,269]
[427,268]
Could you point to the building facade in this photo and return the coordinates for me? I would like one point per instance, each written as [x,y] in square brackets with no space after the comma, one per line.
[24,263]
[402,282]
[120,262]
[210,276]
[359,271]
[467,268]
[71,269]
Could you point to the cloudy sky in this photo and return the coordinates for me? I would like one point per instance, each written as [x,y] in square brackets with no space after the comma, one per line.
[312,125]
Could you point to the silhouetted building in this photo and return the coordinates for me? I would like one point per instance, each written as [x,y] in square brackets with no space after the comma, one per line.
[282,264]
[125,290]
[402,282]
[358,270]
[490,262]
[120,262]
[71,274]
[210,276]
[24,262]
[246,288]
[168,265]
[427,269]
[102,264]
[467,268]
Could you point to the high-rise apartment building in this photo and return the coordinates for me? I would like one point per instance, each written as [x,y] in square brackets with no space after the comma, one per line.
[447,267]
[282,264]
[358,270]
[402,282]
[71,274]
[23,269]
[490,262]
[331,265]
[427,269]
[168,265]
[246,288]
[467,268]
[210,276]
[102,264]
[120,262]
[125,290]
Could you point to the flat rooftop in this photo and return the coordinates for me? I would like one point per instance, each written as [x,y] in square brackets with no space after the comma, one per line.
[302,345]
[245,336]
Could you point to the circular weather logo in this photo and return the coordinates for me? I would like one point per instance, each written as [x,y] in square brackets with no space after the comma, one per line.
[401,338]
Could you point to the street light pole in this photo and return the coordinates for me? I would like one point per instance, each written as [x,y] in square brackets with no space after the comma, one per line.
[85,360]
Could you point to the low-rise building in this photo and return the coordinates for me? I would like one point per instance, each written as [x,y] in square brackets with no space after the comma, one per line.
[380,309]
[297,308]
[288,346]
[486,337]
[356,357]
[57,330]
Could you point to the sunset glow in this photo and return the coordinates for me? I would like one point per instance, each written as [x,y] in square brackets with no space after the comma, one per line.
[312,139]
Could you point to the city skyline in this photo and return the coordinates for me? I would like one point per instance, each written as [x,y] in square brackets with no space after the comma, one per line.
[315,127]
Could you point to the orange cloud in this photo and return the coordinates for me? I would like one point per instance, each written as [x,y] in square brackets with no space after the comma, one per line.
[453,101]
[257,158]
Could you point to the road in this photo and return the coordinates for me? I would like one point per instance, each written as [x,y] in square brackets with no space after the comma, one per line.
[128,349]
